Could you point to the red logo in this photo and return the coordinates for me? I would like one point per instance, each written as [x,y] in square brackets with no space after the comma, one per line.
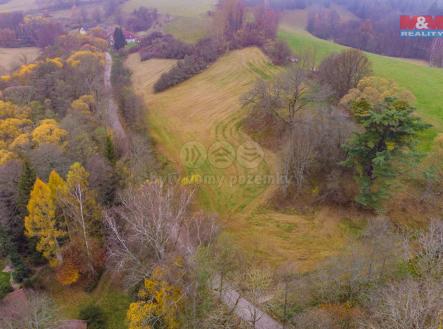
[422,23]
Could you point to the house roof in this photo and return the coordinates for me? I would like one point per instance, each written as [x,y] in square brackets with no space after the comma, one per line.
[126,34]
[13,305]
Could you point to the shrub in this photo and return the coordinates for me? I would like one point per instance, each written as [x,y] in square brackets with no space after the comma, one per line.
[158,45]
[142,19]
[5,286]
[278,51]
[21,271]
[94,316]
[204,53]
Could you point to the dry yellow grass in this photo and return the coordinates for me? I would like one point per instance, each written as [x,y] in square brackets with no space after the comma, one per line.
[18,5]
[10,58]
[207,109]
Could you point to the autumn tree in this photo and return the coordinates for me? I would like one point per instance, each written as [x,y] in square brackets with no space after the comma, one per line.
[158,304]
[41,223]
[82,210]
[343,71]
[389,129]
[375,90]
[48,132]
[229,18]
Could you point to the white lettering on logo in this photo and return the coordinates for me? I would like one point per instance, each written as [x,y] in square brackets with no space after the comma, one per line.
[421,23]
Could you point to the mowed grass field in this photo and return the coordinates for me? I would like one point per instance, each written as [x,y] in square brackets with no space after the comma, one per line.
[18,5]
[189,29]
[207,109]
[189,22]
[10,57]
[425,82]
[187,8]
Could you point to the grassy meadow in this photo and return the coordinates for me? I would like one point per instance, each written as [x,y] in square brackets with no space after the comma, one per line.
[207,109]
[186,8]
[425,82]
[18,5]
[10,57]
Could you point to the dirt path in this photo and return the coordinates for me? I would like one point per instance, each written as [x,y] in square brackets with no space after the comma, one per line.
[244,309]
[112,117]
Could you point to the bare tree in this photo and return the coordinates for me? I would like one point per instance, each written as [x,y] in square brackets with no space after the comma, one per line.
[430,255]
[226,259]
[39,312]
[299,155]
[407,305]
[286,274]
[152,223]
[343,71]
[257,282]
[287,95]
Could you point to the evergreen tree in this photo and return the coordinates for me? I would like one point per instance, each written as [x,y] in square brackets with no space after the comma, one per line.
[389,129]
[119,39]
[110,153]
[25,185]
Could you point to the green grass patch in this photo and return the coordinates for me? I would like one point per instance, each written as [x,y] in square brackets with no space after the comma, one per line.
[5,286]
[426,83]
[352,227]
[71,300]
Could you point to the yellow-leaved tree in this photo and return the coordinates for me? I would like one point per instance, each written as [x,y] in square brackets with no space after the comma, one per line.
[375,90]
[48,132]
[83,210]
[158,305]
[84,105]
[41,223]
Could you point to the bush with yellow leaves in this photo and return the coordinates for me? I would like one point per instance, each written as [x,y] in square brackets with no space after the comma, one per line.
[48,132]
[159,303]
[375,90]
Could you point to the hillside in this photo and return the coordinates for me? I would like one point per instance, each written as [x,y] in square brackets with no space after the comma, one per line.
[172,7]
[425,82]
[16,5]
[206,109]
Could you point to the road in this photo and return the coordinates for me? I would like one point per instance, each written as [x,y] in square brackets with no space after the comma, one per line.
[243,308]
[112,117]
